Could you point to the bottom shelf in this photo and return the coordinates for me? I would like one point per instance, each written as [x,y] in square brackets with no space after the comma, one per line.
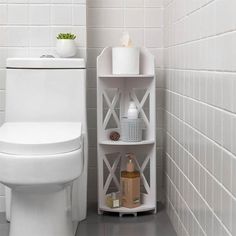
[125,210]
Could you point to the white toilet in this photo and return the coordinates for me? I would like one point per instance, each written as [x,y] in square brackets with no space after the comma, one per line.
[43,146]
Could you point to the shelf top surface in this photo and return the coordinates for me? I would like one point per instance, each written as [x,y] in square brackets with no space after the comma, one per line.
[121,143]
[126,76]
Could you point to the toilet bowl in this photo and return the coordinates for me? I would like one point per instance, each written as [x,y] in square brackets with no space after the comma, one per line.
[39,162]
[43,146]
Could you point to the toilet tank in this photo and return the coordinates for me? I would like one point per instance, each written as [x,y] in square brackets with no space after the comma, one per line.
[45,89]
[50,90]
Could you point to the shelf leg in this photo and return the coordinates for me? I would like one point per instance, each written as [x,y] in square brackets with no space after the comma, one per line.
[100,212]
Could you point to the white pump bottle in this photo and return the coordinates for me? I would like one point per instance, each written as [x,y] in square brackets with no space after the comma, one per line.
[132,111]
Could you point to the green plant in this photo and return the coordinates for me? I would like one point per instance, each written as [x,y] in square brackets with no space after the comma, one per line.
[66,36]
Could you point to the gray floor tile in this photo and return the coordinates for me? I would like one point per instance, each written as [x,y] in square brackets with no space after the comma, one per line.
[91,229]
[113,225]
[2,218]
[151,225]
[4,229]
[151,228]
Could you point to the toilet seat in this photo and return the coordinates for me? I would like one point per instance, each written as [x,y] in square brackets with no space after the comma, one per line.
[40,153]
[40,138]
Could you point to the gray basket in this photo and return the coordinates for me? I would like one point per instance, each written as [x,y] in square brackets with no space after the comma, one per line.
[131,130]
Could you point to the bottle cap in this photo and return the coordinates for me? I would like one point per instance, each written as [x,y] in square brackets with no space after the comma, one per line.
[132,105]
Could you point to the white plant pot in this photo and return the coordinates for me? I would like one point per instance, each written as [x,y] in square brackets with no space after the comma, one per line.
[66,48]
[125,60]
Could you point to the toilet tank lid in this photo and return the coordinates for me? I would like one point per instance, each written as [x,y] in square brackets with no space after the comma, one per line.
[46,63]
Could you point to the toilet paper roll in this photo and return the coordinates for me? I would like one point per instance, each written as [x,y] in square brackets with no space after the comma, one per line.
[125,60]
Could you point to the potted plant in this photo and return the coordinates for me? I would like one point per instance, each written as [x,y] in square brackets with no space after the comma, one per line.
[66,45]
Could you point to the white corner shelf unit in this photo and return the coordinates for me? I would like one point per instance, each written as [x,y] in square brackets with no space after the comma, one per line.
[114,92]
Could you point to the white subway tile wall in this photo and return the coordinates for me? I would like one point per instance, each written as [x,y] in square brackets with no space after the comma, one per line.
[200,115]
[28,28]
[196,80]
[106,21]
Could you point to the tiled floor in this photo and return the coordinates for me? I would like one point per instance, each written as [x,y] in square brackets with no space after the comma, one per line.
[144,225]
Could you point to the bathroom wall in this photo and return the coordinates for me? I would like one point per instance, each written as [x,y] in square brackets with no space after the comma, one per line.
[200,102]
[106,21]
[29,28]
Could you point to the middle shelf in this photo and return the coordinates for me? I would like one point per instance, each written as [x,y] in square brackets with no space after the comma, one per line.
[121,143]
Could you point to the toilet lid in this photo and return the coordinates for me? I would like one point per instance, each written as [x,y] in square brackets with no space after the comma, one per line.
[44,138]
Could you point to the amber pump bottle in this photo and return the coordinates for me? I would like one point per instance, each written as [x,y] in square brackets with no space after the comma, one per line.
[130,184]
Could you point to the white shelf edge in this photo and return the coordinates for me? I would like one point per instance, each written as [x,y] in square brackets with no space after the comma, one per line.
[121,143]
[126,76]
[142,208]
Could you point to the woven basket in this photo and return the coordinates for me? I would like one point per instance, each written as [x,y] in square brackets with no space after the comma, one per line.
[131,130]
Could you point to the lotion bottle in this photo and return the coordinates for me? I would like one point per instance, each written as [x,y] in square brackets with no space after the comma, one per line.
[130,185]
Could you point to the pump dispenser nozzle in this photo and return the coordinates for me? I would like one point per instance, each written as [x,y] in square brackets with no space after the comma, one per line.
[130,165]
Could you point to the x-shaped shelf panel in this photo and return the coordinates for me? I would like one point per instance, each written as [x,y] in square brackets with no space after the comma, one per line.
[111,110]
[141,169]
[140,105]
[113,167]
[112,176]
